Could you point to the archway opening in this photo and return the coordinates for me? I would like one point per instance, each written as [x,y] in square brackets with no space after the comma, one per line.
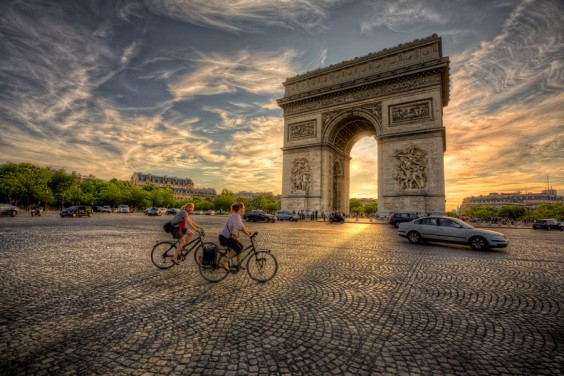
[364,169]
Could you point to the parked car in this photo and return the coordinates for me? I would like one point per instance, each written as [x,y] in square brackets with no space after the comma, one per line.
[400,217]
[451,230]
[106,209]
[123,209]
[286,216]
[548,224]
[154,212]
[172,211]
[77,211]
[7,209]
[97,209]
[209,212]
[259,215]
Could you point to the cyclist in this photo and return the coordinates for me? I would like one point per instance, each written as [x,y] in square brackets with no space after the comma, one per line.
[181,221]
[227,238]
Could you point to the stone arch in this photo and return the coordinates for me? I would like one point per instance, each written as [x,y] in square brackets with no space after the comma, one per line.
[396,96]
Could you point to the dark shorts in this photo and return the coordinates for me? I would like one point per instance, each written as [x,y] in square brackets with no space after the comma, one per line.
[178,234]
[232,243]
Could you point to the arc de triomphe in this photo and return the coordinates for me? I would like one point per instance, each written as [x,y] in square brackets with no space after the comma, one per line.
[397,96]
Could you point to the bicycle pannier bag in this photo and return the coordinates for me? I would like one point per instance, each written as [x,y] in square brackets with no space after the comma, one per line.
[168,226]
[209,256]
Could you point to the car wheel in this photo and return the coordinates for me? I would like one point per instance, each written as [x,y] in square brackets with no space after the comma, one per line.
[14,213]
[90,214]
[396,224]
[479,243]
[74,214]
[413,237]
[266,220]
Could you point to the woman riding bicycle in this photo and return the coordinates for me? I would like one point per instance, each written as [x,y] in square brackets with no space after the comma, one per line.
[181,221]
[227,238]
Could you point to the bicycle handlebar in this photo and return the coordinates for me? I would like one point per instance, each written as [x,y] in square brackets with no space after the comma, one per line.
[254,234]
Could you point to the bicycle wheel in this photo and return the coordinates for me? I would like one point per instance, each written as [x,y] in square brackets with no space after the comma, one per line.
[162,255]
[217,273]
[262,266]
[199,251]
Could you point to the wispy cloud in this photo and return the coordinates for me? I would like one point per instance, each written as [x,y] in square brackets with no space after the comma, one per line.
[504,122]
[257,72]
[400,16]
[248,15]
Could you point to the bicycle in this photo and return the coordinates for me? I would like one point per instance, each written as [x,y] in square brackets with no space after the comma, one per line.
[261,264]
[163,251]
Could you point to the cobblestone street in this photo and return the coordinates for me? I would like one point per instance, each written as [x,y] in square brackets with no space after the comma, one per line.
[81,296]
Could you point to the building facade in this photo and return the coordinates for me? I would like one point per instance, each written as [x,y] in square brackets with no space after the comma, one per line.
[529,201]
[182,189]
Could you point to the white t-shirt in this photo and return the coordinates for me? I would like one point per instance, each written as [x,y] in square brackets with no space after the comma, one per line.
[233,222]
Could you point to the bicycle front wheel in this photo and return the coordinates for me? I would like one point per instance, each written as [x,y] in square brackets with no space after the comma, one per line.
[162,255]
[262,266]
[217,272]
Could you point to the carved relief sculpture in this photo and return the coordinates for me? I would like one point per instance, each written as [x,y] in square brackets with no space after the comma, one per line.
[300,177]
[420,111]
[411,171]
[302,130]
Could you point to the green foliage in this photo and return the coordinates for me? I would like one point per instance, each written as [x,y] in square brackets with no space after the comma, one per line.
[511,211]
[224,201]
[550,211]
[371,208]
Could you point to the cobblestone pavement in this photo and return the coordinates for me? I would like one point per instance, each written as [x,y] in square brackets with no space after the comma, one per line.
[81,296]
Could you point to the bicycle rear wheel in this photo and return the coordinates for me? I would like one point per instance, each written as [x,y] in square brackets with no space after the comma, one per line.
[199,251]
[262,266]
[215,273]
[162,254]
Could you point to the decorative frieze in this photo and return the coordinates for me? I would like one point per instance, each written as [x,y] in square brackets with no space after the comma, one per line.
[306,129]
[374,109]
[411,112]
[411,170]
[368,93]
[418,52]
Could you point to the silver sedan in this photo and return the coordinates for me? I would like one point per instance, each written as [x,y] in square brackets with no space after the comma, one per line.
[451,230]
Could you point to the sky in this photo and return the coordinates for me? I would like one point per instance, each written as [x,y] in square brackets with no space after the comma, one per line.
[188,88]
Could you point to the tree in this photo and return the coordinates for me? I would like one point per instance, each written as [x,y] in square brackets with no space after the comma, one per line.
[224,201]
[511,211]
[354,203]
[371,208]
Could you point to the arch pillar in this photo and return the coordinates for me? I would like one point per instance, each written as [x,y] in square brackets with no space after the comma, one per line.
[396,96]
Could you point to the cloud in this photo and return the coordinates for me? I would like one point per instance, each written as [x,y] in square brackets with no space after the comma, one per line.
[400,16]
[248,15]
[257,72]
[504,122]
[254,156]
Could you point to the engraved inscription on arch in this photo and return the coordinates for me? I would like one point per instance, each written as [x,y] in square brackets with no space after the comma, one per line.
[306,129]
[410,112]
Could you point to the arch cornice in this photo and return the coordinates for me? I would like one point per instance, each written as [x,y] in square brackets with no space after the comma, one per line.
[371,112]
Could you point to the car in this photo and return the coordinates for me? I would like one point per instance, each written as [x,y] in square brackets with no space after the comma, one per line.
[97,209]
[259,215]
[123,209]
[106,209]
[400,217]
[7,209]
[209,212]
[548,224]
[172,211]
[77,211]
[451,230]
[286,216]
[154,212]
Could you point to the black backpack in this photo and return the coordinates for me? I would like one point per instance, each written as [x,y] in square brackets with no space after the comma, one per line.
[209,256]
[168,226]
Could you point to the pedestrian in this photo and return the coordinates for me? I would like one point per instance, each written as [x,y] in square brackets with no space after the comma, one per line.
[229,239]
[181,222]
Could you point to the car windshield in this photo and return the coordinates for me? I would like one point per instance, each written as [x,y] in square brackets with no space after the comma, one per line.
[462,223]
